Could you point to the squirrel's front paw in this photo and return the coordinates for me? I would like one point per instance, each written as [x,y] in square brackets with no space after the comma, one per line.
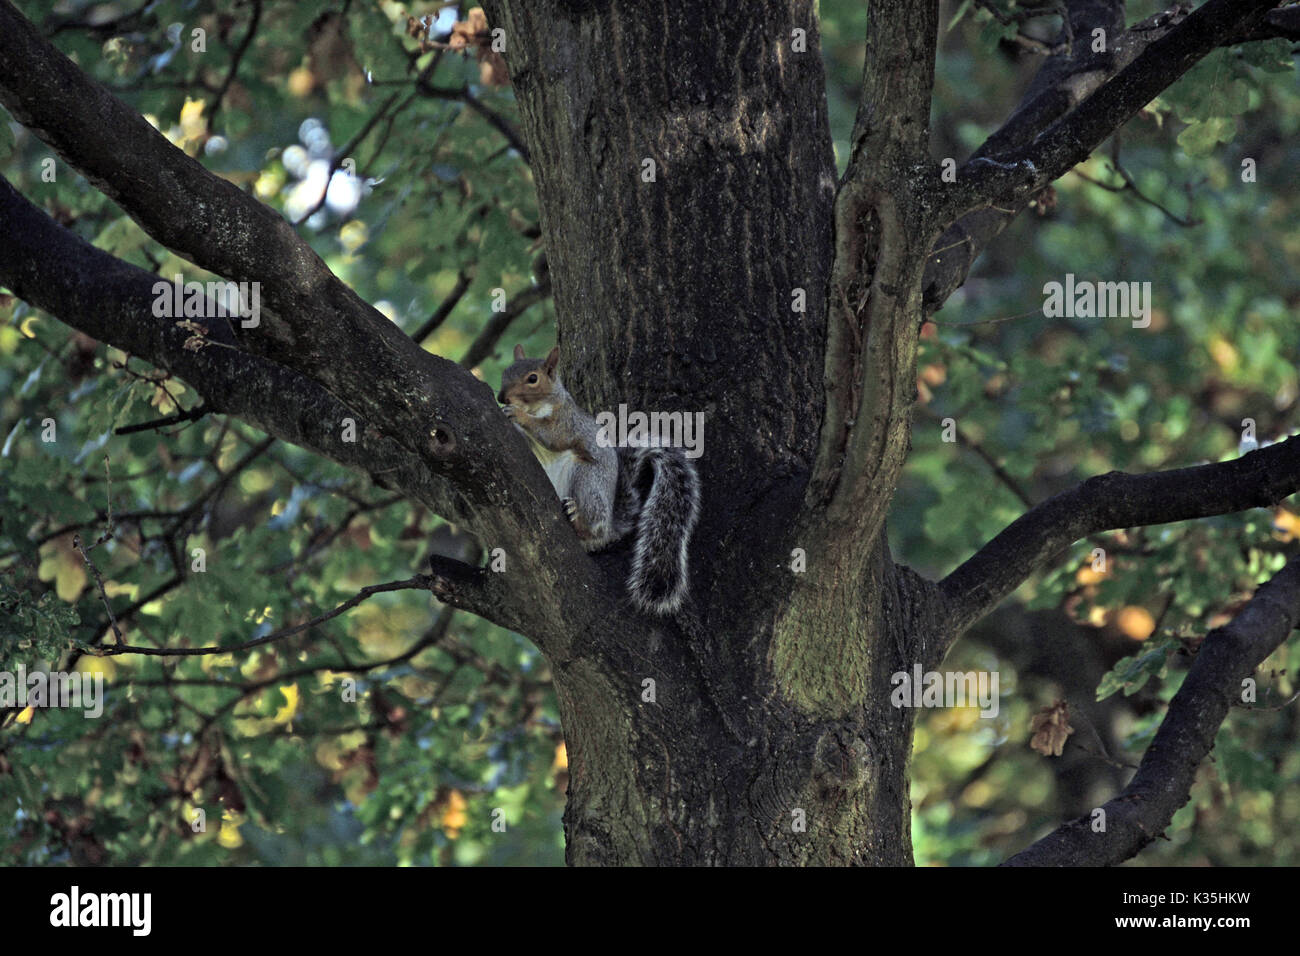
[580,527]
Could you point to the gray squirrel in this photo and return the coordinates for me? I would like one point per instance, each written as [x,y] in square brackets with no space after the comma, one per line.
[607,491]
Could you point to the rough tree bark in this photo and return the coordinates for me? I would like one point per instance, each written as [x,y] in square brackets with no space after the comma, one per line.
[771,694]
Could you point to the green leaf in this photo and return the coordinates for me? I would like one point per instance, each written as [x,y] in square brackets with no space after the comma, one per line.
[1236,98]
[1201,138]
[1130,674]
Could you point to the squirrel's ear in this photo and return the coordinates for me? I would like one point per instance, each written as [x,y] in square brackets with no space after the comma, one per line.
[552,360]
[519,352]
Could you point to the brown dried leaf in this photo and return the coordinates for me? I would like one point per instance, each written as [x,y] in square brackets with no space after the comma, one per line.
[1051,727]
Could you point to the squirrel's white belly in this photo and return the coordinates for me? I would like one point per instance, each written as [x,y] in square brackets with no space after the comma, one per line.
[559,468]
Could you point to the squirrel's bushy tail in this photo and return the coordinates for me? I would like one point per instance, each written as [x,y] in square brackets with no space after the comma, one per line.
[670,506]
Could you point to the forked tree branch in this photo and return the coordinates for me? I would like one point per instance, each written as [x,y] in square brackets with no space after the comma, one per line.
[432,410]
[881,234]
[315,318]
[1138,64]
[1110,502]
[1162,784]
[112,301]
[1017,174]
[1073,106]
[318,327]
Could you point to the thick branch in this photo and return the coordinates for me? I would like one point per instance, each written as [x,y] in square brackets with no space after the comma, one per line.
[1283,23]
[112,301]
[1164,779]
[421,404]
[881,234]
[1109,502]
[426,403]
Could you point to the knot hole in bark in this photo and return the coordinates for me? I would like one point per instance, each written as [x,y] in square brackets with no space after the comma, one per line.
[841,760]
[441,441]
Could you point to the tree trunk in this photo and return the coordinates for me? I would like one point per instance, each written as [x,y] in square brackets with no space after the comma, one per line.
[686,184]
[675,760]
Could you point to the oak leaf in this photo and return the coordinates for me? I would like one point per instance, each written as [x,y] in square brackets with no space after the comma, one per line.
[1051,727]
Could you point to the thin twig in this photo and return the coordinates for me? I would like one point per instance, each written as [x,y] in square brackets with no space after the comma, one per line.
[445,307]
[215,106]
[99,584]
[989,459]
[487,339]
[419,582]
[337,162]
[1131,186]
[192,415]
[998,321]
[499,122]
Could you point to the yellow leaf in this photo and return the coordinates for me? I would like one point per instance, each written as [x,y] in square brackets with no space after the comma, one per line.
[192,123]
[25,715]
[954,720]
[269,182]
[1224,354]
[285,714]
[164,399]
[1089,575]
[230,837]
[353,235]
[329,756]
[454,817]
[61,564]
[251,726]
[118,589]
[301,82]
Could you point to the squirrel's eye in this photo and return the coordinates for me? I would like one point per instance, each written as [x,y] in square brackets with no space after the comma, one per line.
[532,379]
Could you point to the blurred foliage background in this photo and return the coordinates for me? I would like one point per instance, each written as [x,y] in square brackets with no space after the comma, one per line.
[397,162]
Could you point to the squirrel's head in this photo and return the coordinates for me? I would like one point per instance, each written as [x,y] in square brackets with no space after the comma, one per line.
[529,380]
